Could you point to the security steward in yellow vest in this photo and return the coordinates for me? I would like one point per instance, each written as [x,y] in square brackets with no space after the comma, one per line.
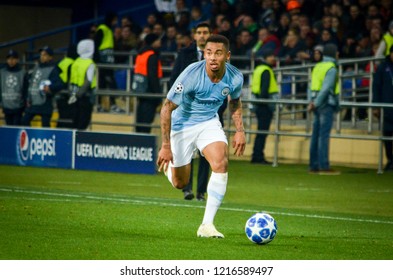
[324,103]
[66,111]
[146,80]
[104,53]
[388,39]
[264,85]
[83,83]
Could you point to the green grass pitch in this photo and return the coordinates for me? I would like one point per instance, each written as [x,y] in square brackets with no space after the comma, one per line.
[80,215]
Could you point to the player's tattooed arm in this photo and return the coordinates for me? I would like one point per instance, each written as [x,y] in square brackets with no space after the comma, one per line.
[165,116]
[239,139]
[165,154]
[235,108]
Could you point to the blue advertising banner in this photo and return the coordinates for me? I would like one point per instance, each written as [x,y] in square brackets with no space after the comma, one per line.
[36,147]
[130,153]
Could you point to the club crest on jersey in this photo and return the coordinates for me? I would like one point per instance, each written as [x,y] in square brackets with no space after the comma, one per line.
[225,91]
[179,88]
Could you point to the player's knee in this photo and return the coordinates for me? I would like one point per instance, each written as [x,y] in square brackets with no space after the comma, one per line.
[219,166]
[179,183]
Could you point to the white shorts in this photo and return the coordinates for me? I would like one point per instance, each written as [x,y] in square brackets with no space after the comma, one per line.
[186,141]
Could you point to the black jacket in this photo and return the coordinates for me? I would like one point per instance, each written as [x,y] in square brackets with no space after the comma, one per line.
[383,90]
[185,57]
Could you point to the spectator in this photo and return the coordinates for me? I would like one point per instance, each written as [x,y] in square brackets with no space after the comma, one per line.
[266,15]
[183,40]
[266,41]
[134,27]
[293,7]
[348,49]
[382,93]
[386,11]
[44,83]
[147,76]
[151,19]
[158,29]
[356,22]
[327,38]
[225,29]
[336,10]
[13,89]
[283,26]
[168,42]
[242,47]
[295,22]
[196,17]
[181,10]
[249,24]
[83,84]
[216,23]
[324,102]
[291,48]
[337,30]
[264,85]
[375,36]
[128,42]
[146,30]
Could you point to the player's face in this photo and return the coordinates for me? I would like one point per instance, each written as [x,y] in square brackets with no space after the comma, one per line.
[201,35]
[216,55]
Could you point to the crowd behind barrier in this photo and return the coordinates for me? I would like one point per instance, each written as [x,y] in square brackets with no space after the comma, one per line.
[293,28]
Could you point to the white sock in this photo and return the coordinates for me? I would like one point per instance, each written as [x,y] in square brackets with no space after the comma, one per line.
[169,173]
[216,189]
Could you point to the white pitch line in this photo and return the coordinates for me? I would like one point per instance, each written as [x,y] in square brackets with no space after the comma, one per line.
[380,191]
[144,202]
[143,185]
[64,183]
[303,189]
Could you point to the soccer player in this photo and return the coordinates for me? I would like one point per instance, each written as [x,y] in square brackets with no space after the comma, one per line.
[189,121]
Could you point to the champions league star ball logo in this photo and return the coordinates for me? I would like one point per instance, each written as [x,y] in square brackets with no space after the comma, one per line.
[23,145]
[37,77]
[179,88]
[11,81]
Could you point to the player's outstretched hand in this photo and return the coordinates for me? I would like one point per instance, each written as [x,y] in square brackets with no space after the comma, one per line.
[164,157]
[239,143]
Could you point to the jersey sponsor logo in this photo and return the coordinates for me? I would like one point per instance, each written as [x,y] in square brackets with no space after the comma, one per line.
[225,91]
[179,88]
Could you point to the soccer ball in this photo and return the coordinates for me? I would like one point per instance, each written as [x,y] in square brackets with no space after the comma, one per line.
[261,228]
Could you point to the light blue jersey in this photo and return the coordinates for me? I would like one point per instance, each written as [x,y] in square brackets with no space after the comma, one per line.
[198,97]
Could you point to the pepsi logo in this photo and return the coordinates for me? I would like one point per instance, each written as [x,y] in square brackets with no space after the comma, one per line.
[24,145]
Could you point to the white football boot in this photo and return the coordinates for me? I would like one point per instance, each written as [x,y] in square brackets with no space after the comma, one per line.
[209,231]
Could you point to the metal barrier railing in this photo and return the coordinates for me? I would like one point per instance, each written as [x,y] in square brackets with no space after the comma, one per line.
[277,132]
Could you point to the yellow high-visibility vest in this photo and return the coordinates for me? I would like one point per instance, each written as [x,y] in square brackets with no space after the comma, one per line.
[318,75]
[256,80]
